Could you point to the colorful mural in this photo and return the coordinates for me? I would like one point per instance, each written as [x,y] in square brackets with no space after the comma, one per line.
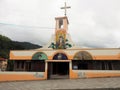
[60,56]
[60,39]
[39,56]
[82,55]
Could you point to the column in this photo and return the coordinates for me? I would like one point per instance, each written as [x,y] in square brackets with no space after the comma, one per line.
[70,68]
[46,70]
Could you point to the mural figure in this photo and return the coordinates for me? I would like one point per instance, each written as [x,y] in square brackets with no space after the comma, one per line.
[60,56]
[60,40]
[83,55]
[39,56]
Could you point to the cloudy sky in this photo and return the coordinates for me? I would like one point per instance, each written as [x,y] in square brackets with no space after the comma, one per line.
[93,23]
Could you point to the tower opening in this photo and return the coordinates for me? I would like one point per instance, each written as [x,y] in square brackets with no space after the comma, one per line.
[60,23]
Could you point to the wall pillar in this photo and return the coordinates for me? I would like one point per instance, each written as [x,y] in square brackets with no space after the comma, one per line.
[46,70]
[24,65]
[70,68]
[15,66]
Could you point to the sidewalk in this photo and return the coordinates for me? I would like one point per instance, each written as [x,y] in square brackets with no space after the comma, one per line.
[64,84]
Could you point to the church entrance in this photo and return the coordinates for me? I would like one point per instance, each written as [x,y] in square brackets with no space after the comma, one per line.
[58,70]
[61,68]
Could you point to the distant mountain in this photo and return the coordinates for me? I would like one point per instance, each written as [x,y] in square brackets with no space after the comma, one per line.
[27,45]
[6,44]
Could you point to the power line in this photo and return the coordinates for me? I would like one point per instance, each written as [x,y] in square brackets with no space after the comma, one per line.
[26,26]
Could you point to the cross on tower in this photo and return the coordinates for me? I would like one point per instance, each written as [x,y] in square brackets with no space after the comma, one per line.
[65,7]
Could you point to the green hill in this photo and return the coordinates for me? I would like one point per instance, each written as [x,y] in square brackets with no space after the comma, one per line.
[6,44]
[26,45]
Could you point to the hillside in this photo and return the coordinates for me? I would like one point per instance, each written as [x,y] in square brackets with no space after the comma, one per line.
[6,44]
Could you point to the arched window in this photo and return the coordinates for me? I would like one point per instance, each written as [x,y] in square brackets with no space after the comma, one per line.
[82,55]
[39,56]
[60,56]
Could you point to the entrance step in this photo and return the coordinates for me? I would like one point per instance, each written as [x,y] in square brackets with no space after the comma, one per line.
[59,77]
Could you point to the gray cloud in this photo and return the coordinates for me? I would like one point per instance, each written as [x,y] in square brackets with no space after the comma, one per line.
[93,23]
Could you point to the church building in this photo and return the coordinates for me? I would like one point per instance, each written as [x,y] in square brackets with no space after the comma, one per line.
[61,58]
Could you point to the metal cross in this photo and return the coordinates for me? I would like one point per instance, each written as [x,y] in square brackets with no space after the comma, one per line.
[65,7]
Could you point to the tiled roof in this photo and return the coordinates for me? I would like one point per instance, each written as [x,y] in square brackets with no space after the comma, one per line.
[2,59]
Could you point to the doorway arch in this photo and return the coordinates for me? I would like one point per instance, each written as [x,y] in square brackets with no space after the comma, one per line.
[60,56]
[59,68]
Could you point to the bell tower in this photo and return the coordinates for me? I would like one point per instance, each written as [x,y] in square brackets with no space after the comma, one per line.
[61,23]
[61,30]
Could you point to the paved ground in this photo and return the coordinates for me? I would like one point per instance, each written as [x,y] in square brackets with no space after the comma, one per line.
[64,84]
